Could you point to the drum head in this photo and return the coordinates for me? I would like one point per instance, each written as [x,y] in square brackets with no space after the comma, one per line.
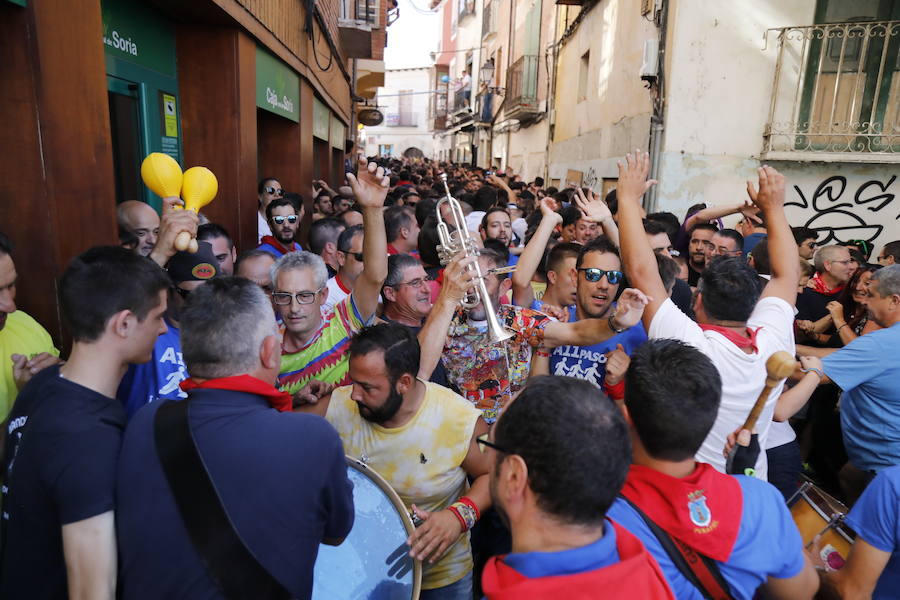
[373,562]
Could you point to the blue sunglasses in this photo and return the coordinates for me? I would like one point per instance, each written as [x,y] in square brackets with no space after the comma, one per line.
[594,275]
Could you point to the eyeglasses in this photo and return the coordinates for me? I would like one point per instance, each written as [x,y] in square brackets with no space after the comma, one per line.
[483,442]
[285,298]
[594,275]
[843,262]
[280,219]
[274,190]
[181,292]
[415,283]
[357,255]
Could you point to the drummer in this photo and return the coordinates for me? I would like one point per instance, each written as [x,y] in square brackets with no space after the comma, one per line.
[421,437]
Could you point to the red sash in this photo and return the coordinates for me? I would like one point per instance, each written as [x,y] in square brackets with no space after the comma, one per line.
[819,285]
[741,341]
[268,239]
[636,576]
[280,401]
[702,510]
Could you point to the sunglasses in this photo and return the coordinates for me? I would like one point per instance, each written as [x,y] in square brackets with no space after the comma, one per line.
[182,292]
[280,219]
[357,255]
[483,443]
[594,275]
[274,190]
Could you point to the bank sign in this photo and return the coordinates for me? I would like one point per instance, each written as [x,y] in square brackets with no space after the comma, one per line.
[277,86]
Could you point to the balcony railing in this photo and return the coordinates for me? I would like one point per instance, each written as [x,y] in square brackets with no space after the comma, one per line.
[484,106]
[461,98]
[836,93]
[402,120]
[522,87]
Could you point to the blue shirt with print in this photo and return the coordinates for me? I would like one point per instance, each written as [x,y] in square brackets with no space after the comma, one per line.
[875,519]
[589,362]
[868,371]
[767,545]
[158,378]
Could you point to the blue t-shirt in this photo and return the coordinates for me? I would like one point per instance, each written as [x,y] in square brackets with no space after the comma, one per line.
[751,241]
[61,449]
[868,371]
[768,543]
[158,378]
[589,362]
[602,553]
[282,478]
[874,517]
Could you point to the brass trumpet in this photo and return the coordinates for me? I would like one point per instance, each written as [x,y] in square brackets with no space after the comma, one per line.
[460,242]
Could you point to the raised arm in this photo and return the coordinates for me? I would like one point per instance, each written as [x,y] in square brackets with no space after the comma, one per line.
[370,188]
[433,335]
[531,257]
[588,332]
[782,247]
[89,548]
[600,213]
[705,215]
[172,222]
[637,255]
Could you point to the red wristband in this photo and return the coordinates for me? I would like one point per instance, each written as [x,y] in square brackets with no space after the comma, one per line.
[459,517]
[468,502]
[615,392]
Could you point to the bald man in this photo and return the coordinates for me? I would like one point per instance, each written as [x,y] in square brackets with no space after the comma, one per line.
[141,220]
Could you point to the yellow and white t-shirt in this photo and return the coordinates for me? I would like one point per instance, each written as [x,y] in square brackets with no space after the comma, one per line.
[421,460]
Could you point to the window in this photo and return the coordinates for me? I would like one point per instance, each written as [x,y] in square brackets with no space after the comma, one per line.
[584,70]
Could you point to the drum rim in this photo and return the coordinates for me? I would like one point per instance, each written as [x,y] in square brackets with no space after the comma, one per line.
[835,522]
[395,499]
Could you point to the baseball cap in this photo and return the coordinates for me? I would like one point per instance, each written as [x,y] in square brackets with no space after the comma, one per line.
[200,266]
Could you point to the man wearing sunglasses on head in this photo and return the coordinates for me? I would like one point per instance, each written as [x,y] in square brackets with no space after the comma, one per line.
[284,218]
[350,265]
[268,189]
[599,276]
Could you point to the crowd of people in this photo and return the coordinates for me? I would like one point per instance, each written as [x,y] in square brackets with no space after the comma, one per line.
[563,428]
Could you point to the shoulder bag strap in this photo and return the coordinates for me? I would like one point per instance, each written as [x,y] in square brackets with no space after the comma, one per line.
[229,562]
[700,570]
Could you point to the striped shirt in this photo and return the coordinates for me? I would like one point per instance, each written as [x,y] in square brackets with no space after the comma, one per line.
[324,357]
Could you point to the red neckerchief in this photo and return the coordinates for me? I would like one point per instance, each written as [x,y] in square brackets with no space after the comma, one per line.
[702,510]
[636,576]
[280,401]
[268,239]
[819,285]
[391,250]
[741,341]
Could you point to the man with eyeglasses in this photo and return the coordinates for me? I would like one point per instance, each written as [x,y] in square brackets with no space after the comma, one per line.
[806,241]
[599,276]
[160,377]
[350,265]
[727,242]
[406,292]
[890,254]
[284,218]
[315,346]
[834,268]
[268,189]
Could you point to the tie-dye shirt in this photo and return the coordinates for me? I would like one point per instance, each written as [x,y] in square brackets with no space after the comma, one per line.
[487,374]
[324,358]
[422,460]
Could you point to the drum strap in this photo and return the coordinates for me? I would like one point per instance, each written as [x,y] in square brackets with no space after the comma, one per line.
[228,561]
[700,570]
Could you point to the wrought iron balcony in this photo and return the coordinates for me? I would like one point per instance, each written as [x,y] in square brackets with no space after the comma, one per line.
[402,120]
[836,93]
[522,88]
[461,98]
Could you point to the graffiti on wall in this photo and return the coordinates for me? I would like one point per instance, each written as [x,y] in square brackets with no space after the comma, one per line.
[590,179]
[839,212]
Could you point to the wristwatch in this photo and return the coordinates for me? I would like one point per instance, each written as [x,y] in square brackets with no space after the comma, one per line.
[612,325]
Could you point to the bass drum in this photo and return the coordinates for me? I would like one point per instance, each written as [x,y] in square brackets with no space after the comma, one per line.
[373,562]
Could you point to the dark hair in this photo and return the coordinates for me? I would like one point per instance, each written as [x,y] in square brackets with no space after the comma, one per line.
[252,253]
[428,243]
[863,246]
[279,202]
[672,392]
[495,256]
[892,249]
[733,234]
[485,198]
[322,232]
[397,264]
[730,288]
[395,219]
[425,208]
[576,447]
[400,347]
[560,253]
[209,231]
[570,215]
[296,200]
[694,208]
[262,183]
[6,246]
[539,181]
[703,226]
[668,271]
[127,239]
[652,227]
[489,212]
[667,220]
[601,244]
[760,255]
[852,314]
[345,240]
[803,233]
[498,247]
[106,280]
[612,201]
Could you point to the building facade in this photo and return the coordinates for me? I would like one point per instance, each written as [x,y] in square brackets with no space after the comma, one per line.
[247,88]
[404,100]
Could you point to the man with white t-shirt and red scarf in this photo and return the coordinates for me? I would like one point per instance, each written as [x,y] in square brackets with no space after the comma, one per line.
[737,332]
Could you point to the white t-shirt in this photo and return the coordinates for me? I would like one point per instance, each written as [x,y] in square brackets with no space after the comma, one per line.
[780,433]
[262,226]
[336,293]
[743,375]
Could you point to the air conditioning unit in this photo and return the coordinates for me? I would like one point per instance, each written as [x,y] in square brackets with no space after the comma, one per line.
[650,61]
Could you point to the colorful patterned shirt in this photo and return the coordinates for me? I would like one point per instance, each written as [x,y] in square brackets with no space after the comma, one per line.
[324,357]
[487,374]
[422,460]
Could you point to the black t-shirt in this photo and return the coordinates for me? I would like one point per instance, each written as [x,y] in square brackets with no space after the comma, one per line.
[683,298]
[61,450]
[811,305]
[693,275]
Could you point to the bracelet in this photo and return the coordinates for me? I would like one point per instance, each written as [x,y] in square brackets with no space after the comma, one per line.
[542,353]
[815,370]
[468,502]
[462,522]
[609,321]
[839,328]
[465,514]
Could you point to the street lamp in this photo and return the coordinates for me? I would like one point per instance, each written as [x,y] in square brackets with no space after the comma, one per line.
[487,72]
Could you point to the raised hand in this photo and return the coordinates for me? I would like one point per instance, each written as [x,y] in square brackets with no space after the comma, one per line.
[370,186]
[633,182]
[173,222]
[592,209]
[549,212]
[458,278]
[771,189]
[630,308]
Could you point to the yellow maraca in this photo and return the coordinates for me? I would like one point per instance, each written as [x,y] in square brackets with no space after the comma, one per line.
[198,188]
[162,175]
